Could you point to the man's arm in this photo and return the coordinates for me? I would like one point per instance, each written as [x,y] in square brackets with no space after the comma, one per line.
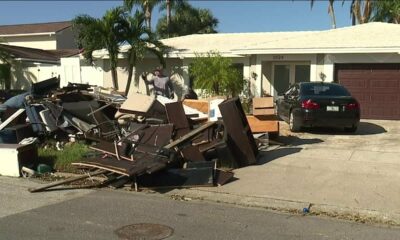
[144,77]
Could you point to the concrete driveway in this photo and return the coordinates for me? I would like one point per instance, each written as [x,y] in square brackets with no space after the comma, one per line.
[356,174]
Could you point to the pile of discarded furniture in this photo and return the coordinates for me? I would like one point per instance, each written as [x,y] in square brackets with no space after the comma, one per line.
[139,140]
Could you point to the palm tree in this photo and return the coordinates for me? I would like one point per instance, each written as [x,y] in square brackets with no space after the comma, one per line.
[387,11]
[6,61]
[331,11]
[146,5]
[93,34]
[208,23]
[141,41]
[361,11]
[187,20]
[168,6]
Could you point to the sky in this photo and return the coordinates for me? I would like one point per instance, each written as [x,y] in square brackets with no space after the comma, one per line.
[233,16]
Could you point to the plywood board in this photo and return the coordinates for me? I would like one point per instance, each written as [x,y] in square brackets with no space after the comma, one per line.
[262,125]
[137,103]
[200,105]
[263,106]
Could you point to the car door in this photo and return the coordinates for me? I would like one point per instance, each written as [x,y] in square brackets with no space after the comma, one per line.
[292,99]
[283,104]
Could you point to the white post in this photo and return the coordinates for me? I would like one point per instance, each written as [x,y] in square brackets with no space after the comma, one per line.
[258,76]
[328,68]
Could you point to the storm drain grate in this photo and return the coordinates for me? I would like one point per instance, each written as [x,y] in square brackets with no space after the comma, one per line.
[144,231]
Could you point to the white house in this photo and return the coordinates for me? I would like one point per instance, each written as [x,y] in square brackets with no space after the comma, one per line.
[46,36]
[365,58]
[37,49]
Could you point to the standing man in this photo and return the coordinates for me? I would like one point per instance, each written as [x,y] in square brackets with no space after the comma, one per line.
[162,85]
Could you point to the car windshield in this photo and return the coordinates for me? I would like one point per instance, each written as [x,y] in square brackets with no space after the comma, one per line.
[323,90]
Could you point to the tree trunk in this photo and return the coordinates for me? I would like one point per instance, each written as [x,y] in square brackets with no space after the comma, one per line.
[168,16]
[114,77]
[128,83]
[332,14]
[147,15]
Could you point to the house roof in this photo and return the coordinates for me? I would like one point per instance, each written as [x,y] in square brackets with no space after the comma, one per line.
[364,38]
[375,37]
[37,55]
[369,37]
[35,28]
[60,53]
[223,42]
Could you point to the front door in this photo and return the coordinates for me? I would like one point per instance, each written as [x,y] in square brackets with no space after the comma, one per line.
[286,74]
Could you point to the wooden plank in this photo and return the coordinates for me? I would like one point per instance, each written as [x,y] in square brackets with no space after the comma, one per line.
[200,105]
[137,103]
[176,115]
[263,102]
[184,177]
[263,106]
[190,135]
[223,177]
[69,180]
[262,125]
[96,165]
[263,111]
[240,139]
[11,118]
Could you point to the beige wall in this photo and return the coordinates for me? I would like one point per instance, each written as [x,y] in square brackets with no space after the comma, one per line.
[24,74]
[173,69]
[65,39]
[47,42]
[266,78]
[260,65]
[92,74]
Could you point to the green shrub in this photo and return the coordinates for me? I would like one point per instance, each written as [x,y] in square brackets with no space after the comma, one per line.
[215,75]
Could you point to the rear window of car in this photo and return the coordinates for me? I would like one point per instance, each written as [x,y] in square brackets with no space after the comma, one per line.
[323,90]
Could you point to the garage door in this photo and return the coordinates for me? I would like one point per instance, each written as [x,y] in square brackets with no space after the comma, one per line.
[375,86]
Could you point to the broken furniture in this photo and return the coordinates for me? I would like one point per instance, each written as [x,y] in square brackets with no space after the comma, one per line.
[16,133]
[15,156]
[240,139]
[264,118]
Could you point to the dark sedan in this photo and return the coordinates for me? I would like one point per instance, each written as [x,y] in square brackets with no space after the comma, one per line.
[318,104]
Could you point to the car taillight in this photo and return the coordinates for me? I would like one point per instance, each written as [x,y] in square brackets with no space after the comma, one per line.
[352,106]
[309,104]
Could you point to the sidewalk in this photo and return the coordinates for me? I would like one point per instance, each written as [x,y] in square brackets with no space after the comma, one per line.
[15,197]
[355,177]
[348,176]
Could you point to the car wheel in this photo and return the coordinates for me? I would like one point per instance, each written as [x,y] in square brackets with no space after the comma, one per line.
[293,123]
[351,129]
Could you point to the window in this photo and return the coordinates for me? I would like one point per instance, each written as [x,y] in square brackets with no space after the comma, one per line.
[302,73]
[323,90]
[289,73]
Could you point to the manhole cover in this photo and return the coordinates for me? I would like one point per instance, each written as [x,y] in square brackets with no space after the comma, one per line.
[144,231]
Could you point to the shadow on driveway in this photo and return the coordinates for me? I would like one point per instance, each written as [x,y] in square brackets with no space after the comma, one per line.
[296,141]
[364,128]
[269,156]
[367,128]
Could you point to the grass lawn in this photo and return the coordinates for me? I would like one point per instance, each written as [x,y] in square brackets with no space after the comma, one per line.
[61,160]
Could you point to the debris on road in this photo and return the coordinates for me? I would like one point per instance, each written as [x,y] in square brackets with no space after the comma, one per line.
[145,141]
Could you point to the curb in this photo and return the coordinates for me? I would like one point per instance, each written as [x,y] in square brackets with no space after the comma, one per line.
[289,206]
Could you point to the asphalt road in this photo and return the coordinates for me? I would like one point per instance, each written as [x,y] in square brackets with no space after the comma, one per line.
[98,214]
